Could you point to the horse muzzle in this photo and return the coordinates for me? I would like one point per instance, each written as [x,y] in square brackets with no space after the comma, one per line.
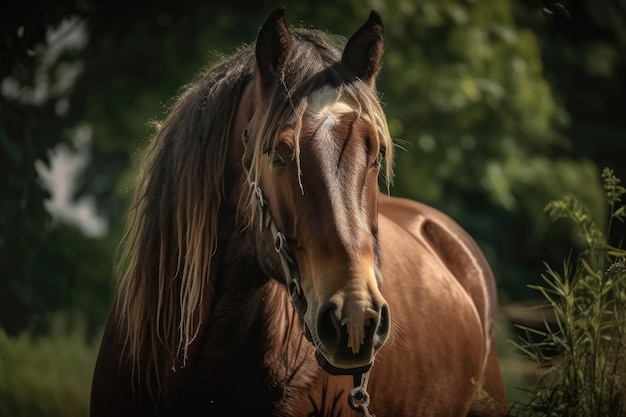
[349,333]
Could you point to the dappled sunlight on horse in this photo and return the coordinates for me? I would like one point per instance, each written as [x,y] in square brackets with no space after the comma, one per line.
[264,273]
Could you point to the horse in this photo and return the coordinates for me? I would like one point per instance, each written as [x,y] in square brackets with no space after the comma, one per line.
[263,272]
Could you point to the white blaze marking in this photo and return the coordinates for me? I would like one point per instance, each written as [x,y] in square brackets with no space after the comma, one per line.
[324,110]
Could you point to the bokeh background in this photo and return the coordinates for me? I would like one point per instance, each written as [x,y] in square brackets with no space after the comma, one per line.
[496,106]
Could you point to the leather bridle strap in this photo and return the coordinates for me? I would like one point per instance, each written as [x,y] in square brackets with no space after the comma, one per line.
[287,260]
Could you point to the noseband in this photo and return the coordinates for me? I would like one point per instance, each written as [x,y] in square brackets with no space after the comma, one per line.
[358,399]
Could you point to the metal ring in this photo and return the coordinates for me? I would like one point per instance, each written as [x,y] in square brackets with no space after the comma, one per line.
[279,243]
[295,289]
[259,195]
[358,399]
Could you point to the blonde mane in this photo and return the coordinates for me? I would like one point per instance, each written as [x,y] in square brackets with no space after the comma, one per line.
[167,276]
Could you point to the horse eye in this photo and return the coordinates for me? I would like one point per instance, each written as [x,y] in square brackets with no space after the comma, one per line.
[381,156]
[276,160]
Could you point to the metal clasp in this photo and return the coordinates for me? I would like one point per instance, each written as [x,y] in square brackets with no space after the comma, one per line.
[359,398]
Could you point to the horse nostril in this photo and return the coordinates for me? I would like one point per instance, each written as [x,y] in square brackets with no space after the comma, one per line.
[328,325]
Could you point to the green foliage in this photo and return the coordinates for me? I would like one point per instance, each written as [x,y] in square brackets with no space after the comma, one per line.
[583,354]
[570,208]
[583,45]
[46,375]
[36,273]
[614,191]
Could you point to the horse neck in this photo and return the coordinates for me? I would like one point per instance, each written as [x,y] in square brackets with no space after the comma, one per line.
[253,339]
[288,356]
[252,324]
[236,308]
[244,292]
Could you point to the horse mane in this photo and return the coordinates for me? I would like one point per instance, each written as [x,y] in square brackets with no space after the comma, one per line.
[165,266]
[170,238]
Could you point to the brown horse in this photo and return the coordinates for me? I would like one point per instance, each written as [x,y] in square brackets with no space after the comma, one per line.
[264,273]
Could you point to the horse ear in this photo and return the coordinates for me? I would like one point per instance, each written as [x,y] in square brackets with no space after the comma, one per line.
[363,53]
[273,46]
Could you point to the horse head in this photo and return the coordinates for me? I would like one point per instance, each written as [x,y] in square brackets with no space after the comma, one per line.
[315,141]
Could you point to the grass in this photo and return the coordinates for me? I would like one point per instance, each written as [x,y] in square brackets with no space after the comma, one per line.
[48,375]
[582,356]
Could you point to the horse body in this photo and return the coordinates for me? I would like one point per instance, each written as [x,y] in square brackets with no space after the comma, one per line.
[205,322]
[443,332]
[252,359]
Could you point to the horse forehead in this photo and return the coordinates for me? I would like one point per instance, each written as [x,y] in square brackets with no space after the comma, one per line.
[332,121]
[325,113]
[324,105]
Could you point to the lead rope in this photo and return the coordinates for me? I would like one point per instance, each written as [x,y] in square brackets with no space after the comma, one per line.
[359,398]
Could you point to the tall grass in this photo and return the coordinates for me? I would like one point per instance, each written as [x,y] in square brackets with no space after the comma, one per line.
[582,355]
[46,375]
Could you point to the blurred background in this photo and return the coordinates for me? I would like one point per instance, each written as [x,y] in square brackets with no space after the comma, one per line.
[496,106]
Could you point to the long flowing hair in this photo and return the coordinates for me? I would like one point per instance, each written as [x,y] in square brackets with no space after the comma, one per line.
[167,280]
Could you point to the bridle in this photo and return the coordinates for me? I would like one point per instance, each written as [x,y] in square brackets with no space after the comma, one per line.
[358,398]
[287,260]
